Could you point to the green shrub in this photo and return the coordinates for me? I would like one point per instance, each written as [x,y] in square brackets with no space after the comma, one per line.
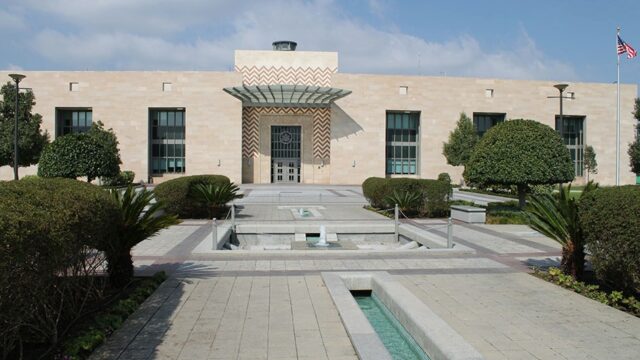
[95,332]
[444,177]
[433,194]
[178,195]
[374,190]
[124,178]
[75,155]
[615,299]
[611,224]
[47,265]
[408,202]
[215,197]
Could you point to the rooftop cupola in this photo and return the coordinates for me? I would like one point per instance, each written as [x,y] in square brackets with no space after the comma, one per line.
[284,45]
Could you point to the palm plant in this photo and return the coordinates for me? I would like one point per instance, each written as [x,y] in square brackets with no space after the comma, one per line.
[215,197]
[556,216]
[140,219]
[407,201]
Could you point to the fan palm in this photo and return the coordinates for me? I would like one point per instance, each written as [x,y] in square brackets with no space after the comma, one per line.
[141,218]
[556,216]
[407,201]
[215,197]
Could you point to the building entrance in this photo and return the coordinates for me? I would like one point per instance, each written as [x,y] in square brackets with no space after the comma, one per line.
[285,154]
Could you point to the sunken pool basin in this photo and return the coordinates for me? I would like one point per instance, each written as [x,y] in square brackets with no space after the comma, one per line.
[392,334]
[431,334]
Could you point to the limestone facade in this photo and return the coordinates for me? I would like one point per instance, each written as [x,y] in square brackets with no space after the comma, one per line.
[343,144]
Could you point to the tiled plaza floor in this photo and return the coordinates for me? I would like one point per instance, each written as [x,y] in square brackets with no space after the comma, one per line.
[274,305]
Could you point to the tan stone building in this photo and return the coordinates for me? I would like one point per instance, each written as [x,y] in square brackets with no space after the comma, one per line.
[291,116]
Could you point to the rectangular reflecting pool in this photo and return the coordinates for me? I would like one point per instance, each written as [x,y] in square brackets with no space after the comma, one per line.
[395,338]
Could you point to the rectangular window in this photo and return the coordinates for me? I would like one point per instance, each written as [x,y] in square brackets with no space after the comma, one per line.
[403,141]
[70,121]
[484,121]
[167,140]
[571,129]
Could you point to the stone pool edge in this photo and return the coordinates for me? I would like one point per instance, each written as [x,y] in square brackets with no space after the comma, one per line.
[433,334]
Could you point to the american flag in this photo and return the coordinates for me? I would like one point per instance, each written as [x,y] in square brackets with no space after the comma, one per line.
[623,47]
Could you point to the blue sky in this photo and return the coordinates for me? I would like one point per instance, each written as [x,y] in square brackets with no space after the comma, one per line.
[567,40]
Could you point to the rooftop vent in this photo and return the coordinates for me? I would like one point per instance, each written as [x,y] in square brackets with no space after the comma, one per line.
[284,45]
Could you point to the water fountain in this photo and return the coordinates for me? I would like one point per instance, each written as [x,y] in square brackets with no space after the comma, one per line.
[322,241]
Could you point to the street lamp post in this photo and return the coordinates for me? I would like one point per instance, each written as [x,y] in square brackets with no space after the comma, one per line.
[561,88]
[17,78]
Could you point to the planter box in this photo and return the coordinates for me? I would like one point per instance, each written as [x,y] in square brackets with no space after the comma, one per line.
[468,214]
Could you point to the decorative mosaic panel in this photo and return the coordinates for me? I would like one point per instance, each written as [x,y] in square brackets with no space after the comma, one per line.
[268,75]
[321,128]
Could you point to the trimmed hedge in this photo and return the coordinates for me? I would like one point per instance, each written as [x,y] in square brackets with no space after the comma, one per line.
[48,228]
[179,198]
[435,193]
[611,224]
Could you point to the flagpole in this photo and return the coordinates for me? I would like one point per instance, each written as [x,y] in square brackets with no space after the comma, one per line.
[618,114]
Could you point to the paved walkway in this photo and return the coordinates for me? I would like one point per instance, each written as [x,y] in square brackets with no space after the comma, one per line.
[273,305]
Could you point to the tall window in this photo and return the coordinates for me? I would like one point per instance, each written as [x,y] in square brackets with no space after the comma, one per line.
[73,121]
[484,121]
[571,130]
[167,140]
[403,141]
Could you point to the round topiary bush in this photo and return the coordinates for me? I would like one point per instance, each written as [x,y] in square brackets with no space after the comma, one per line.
[180,199]
[522,153]
[610,219]
[49,228]
[75,155]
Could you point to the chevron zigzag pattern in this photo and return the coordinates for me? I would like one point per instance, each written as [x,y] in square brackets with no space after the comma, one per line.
[321,128]
[322,133]
[250,132]
[269,75]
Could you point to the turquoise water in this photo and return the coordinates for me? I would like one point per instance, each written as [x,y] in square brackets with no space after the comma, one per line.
[394,337]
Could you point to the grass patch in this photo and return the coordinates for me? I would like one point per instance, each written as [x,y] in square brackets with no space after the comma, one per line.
[616,299]
[506,212]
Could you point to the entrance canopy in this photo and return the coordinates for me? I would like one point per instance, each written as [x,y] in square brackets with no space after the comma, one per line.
[287,95]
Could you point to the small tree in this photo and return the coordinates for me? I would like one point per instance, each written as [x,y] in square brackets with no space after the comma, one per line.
[556,216]
[590,163]
[76,155]
[107,138]
[462,141]
[520,153]
[634,147]
[31,139]
[141,218]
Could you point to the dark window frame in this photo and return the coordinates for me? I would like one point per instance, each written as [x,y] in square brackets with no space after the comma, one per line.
[480,120]
[572,132]
[402,142]
[167,141]
[67,123]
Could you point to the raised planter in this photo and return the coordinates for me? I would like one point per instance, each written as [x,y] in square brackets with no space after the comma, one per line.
[468,214]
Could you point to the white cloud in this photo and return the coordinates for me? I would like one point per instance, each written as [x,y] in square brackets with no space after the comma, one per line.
[148,17]
[11,21]
[136,35]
